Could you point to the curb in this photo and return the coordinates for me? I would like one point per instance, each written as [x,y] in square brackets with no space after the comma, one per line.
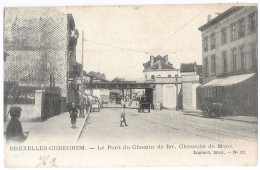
[246,121]
[223,118]
[81,129]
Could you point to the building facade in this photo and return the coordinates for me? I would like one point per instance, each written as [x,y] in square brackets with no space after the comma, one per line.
[160,71]
[158,67]
[229,43]
[190,74]
[230,60]
[39,44]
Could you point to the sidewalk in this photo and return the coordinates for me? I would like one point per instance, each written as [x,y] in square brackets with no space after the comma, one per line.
[248,119]
[56,130]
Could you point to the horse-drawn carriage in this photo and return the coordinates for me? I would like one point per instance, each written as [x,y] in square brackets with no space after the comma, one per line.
[144,104]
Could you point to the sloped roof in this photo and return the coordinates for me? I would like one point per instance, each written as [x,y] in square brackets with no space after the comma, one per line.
[87,74]
[189,67]
[163,66]
[118,79]
[220,17]
[159,60]
[98,76]
[148,64]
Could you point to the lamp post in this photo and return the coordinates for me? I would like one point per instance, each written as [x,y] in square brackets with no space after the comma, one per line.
[81,115]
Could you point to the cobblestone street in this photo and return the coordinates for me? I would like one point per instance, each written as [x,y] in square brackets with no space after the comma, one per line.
[163,126]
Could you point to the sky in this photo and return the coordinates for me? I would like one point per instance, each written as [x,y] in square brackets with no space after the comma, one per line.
[138,32]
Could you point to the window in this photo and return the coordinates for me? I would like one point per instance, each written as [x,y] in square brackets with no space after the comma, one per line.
[205,44]
[213,41]
[206,67]
[233,32]
[234,57]
[169,75]
[252,22]
[152,76]
[242,55]
[224,35]
[241,28]
[253,55]
[145,76]
[213,65]
[224,55]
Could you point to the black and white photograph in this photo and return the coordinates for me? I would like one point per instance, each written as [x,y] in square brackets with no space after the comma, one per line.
[153,85]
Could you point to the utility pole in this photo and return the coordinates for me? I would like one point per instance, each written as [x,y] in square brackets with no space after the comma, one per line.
[177,91]
[81,115]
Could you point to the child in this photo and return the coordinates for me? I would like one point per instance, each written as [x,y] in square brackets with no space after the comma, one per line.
[73,115]
[14,131]
[123,116]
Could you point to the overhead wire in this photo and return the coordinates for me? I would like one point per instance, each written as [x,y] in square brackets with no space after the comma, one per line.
[112,46]
[179,29]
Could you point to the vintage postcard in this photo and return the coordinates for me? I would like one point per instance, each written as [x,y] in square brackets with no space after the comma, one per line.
[130,86]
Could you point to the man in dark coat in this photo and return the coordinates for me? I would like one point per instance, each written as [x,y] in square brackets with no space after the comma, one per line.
[14,131]
[73,115]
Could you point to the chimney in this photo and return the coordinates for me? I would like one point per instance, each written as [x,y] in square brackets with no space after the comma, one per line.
[166,59]
[209,18]
[152,59]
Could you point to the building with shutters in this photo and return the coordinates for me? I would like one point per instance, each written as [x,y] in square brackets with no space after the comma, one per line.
[230,60]
[229,43]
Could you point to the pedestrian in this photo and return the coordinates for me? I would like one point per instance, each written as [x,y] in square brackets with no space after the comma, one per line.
[88,105]
[73,115]
[123,116]
[14,130]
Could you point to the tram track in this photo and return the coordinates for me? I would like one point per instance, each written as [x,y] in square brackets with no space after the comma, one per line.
[201,130]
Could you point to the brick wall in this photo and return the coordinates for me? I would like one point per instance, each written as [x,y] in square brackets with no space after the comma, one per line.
[35,40]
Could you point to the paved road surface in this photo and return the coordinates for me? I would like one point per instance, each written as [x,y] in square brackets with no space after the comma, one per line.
[164,126]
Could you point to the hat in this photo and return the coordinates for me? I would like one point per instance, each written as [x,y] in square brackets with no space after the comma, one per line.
[15,111]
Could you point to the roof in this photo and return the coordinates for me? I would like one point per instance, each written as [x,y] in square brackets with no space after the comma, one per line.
[98,76]
[163,66]
[118,79]
[158,61]
[190,67]
[228,81]
[148,64]
[87,74]
[220,17]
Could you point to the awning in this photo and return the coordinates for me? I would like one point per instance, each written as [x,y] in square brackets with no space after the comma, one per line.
[229,81]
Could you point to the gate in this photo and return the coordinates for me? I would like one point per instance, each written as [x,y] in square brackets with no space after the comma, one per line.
[50,105]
